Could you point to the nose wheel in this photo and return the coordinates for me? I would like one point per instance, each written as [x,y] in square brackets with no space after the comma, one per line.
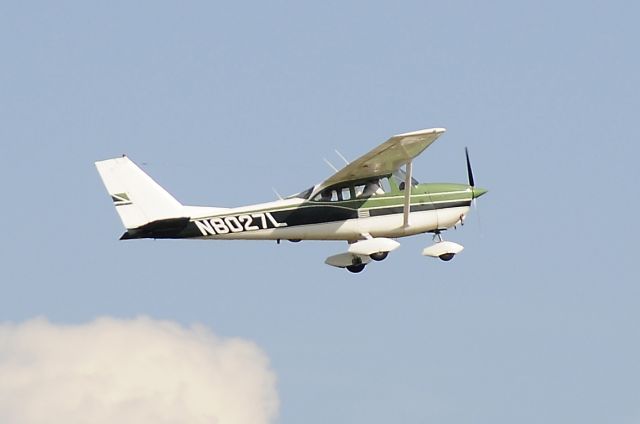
[446,256]
[443,250]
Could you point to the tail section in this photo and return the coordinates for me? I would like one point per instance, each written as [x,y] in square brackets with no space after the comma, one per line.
[138,199]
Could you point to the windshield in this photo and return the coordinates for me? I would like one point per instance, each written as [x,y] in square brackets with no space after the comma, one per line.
[302,195]
[399,176]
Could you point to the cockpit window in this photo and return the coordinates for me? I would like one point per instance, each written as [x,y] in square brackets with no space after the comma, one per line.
[326,195]
[364,190]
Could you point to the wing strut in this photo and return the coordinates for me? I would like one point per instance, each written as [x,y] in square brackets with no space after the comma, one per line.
[407,194]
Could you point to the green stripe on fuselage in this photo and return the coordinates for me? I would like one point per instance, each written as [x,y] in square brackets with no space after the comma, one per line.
[420,194]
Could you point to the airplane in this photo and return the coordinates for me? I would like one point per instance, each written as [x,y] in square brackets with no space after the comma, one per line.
[368,203]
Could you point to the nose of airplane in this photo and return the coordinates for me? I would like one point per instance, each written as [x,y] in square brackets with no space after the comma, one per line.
[477,192]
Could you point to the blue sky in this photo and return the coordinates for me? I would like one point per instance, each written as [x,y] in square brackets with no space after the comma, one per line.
[535,322]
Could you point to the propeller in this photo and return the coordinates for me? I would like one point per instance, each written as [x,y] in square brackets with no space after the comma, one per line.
[469,170]
[475,192]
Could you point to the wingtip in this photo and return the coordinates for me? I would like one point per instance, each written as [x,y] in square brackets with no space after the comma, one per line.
[123,156]
[425,131]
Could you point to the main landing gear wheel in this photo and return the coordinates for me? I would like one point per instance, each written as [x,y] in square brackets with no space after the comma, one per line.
[446,256]
[379,256]
[356,268]
[357,265]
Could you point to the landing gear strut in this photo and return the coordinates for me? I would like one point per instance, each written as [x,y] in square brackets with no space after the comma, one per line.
[446,257]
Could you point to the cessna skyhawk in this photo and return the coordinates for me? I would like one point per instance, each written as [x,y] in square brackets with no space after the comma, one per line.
[367,203]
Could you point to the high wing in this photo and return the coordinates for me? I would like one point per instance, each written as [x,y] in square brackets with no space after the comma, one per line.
[388,157]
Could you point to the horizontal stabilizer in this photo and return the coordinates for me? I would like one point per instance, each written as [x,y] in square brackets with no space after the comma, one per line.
[163,228]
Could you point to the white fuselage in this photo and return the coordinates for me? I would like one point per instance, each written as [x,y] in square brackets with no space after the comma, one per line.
[351,229]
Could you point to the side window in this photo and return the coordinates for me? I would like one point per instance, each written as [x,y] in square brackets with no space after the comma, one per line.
[323,196]
[327,196]
[337,194]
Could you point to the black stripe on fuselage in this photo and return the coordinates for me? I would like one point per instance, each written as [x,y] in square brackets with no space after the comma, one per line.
[307,214]
[311,214]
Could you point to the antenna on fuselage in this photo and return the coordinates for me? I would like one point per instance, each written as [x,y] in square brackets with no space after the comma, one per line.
[330,164]
[276,192]
[341,157]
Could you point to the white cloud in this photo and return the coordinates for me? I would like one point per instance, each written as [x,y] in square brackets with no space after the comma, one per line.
[131,371]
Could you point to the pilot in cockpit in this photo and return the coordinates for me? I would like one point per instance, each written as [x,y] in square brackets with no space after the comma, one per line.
[325,196]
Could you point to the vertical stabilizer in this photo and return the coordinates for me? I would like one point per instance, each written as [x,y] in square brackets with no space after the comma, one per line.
[137,198]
